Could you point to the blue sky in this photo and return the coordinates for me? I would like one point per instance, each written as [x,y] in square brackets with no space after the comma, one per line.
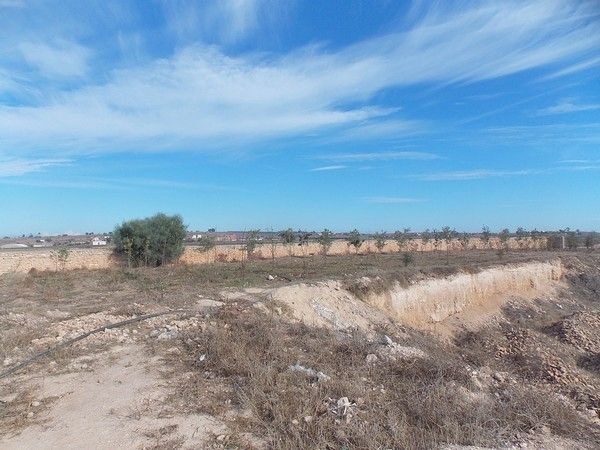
[243,114]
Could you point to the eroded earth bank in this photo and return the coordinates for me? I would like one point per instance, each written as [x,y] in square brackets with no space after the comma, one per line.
[354,351]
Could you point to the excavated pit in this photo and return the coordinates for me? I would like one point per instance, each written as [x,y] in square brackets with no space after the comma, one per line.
[423,304]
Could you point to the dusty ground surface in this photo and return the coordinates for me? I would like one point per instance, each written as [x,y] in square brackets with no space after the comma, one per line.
[302,354]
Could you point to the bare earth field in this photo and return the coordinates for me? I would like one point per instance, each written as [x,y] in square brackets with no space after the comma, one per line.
[456,350]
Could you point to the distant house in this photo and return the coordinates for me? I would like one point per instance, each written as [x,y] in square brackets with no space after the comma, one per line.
[98,241]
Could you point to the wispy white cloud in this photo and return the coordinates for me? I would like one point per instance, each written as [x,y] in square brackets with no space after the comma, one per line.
[392,200]
[478,174]
[573,68]
[201,98]
[223,21]
[16,167]
[378,156]
[61,58]
[327,168]
[568,106]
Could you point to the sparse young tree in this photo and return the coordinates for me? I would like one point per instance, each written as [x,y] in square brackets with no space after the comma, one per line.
[535,236]
[485,236]
[272,241]
[251,241]
[380,241]
[355,239]
[426,237]
[504,236]
[401,237]
[571,240]
[407,259]
[590,240]
[521,235]
[288,237]
[463,238]
[206,244]
[325,240]
[437,238]
[448,234]
[60,257]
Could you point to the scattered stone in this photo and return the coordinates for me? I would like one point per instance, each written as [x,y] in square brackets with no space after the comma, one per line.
[308,419]
[8,398]
[270,277]
[372,358]
[499,377]
[320,376]
[386,340]
[35,404]
[7,362]
[295,422]
[30,414]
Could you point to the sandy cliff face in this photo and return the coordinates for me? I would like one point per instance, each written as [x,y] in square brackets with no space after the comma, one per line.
[432,301]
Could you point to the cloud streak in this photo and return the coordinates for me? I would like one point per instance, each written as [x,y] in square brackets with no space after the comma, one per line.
[391,200]
[378,156]
[328,168]
[17,167]
[200,97]
[568,106]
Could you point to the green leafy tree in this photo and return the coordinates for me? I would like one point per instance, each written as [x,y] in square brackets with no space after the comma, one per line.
[152,241]
[380,241]
[354,239]
[325,240]
[288,237]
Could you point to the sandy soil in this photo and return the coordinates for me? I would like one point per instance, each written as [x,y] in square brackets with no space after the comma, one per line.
[116,404]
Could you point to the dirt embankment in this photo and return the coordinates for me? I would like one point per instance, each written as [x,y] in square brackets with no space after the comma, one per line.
[434,300]
[422,304]
[22,261]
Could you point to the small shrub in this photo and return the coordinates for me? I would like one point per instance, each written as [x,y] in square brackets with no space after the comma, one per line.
[407,259]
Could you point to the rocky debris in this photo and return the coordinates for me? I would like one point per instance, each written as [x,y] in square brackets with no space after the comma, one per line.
[9,398]
[165,333]
[582,330]
[312,373]
[371,358]
[271,277]
[392,351]
[12,320]
[343,409]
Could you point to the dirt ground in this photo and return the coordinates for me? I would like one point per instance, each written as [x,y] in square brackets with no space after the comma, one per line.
[308,353]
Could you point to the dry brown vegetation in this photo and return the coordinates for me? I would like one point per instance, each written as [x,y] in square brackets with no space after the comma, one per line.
[531,373]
